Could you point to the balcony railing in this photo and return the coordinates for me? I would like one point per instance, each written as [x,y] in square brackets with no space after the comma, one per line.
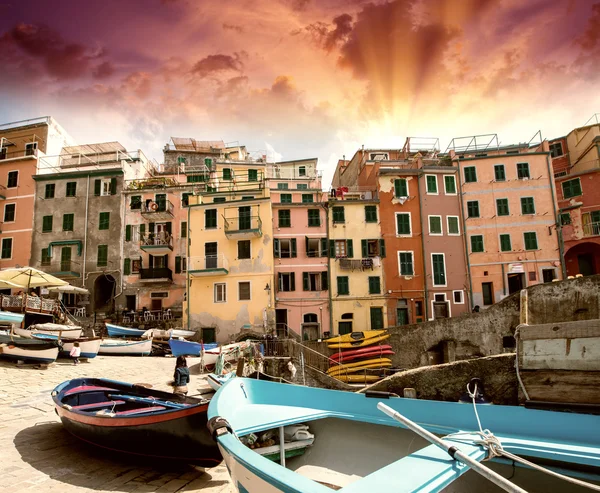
[157,243]
[591,229]
[209,265]
[25,303]
[156,274]
[23,153]
[150,183]
[63,268]
[290,173]
[356,264]
[353,193]
[243,226]
[161,210]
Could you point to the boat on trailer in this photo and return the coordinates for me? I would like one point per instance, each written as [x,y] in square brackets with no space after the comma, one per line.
[131,419]
[17,348]
[359,447]
[125,347]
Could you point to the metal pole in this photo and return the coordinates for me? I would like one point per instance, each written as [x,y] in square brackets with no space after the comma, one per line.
[454,452]
[282,446]
[302,363]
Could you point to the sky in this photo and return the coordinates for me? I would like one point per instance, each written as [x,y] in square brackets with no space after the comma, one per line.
[301,78]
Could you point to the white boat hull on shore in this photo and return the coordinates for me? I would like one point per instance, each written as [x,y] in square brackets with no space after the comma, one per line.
[63,331]
[123,347]
[231,352]
[15,353]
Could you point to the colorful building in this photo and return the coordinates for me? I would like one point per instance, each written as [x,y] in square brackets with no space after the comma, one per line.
[300,249]
[576,164]
[22,144]
[509,216]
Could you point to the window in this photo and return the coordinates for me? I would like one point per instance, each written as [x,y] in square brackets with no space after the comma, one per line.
[565,219]
[343,286]
[530,240]
[210,218]
[314,217]
[107,186]
[400,188]
[314,281]
[243,249]
[345,327]
[459,298]
[470,174]
[47,224]
[282,186]
[184,229]
[285,218]
[343,248]
[68,222]
[505,243]
[373,248]
[286,281]
[439,269]
[49,191]
[219,200]
[435,225]
[431,181]
[403,224]
[452,225]
[244,291]
[102,256]
[527,205]
[556,149]
[248,197]
[487,289]
[181,160]
[301,170]
[502,207]
[473,208]
[338,215]
[571,188]
[136,202]
[45,257]
[307,198]
[316,247]
[548,275]
[252,175]
[450,184]
[476,243]
[405,263]
[374,285]
[379,156]
[376,318]
[30,148]
[3,152]
[6,248]
[302,186]
[227,173]
[499,173]
[523,171]
[71,189]
[532,276]
[285,198]
[136,265]
[9,212]
[370,213]
[195,178]
[285,248]
[13,179]
[220,292]
[104,222]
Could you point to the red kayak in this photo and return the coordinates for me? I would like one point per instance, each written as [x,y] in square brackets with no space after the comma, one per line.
[361,353]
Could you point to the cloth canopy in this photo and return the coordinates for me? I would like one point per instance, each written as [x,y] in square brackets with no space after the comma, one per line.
[28,277]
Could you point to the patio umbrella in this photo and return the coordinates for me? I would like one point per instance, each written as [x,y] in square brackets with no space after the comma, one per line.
[28,277]
[69,289]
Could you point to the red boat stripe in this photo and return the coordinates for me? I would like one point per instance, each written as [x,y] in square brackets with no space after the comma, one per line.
[85,388]
[142,410]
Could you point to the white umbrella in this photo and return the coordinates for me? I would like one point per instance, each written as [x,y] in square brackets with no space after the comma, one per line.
[28,277]
[69,289]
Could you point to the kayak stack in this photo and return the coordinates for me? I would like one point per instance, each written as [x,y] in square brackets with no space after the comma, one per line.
[359,357]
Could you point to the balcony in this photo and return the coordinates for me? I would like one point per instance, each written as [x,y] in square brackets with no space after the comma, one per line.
[157,243]
[353,193]
[64,269]
[243,227]
[212,265]
[30,304]
[591,229]
[157,211]
[26,153]
[356,264]
[156,274]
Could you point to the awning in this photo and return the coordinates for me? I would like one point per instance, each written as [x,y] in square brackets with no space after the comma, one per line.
[79,244]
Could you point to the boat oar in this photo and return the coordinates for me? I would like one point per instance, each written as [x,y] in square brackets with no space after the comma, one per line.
[453,451]
[133,398]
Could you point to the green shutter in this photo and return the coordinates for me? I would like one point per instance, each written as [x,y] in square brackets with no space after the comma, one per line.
[293,281]
[97,187]
[364,248]
[439,271]
[276,249]
[178,265]
[142,230]
[113,186]
[349,249]
[169,227]
[324,281]
[127,266]
[382,248]
[400,188]
[128,232]
[46,224]
[403,221]
[331,249]
[294,248]
[102,256]
[323,247]
[305,283]
[374,285]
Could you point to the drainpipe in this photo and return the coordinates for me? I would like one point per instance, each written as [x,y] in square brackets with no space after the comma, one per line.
[425,290]
[326,208]
[464,233]
[187,271]
[561,243]
[85,229]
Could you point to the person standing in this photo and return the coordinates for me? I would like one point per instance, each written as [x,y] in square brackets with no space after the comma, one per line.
[75,353]
[181,376]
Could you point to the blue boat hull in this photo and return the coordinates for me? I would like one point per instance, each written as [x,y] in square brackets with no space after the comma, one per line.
[188,348]
[13,318]
[118,331]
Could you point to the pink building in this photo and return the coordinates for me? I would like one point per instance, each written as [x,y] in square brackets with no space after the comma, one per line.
[300,248]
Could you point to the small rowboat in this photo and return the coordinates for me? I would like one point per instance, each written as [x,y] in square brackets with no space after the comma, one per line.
[64,331]
[11,318]
[20,348]
[231,351]
[125,347]
[118,331]
[89,346]
[182,333]
[180,347]
[135,420]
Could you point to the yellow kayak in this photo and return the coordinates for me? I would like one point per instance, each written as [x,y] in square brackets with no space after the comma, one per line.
[361,364]
[359,343]
[357,378]
[355,336]
[374,366]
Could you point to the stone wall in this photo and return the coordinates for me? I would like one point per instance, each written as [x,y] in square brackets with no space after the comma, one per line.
[277,367]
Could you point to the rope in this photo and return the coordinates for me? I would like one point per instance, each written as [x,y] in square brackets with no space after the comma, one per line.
[494,448]
[521,384]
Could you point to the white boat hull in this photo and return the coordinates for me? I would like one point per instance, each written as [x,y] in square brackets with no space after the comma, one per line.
[89,349]
[131,348]
[182,333]
[230,350]
[71,333]
[41,356]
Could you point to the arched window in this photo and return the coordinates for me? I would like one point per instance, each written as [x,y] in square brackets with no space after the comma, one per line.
[310,318]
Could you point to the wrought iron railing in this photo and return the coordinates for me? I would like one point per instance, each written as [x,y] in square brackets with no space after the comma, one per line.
[242,223]
[154,207]
[157,239]
[591,229]
[156,273]
[208,262]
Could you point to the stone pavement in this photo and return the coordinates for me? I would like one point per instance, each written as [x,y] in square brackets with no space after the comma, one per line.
[37,454]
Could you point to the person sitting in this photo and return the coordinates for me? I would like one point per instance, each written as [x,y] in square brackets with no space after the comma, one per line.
[181,377]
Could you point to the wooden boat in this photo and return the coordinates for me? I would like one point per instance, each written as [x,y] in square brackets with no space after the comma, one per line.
[232,352]
[391,457]
[355,336]
[359,343]
[370,363]
[89,346]
[372,351]
[181,347]
[128,418]
[64,331]
[11,318]
[125,347]
[217,381]
[21,348]
[357,378]
[118,331]
[182,333]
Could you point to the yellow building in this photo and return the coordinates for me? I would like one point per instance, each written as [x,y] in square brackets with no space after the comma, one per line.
[230,250]
[355,251]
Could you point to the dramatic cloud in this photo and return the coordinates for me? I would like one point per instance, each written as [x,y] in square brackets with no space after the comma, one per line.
[233,27]
[214,64]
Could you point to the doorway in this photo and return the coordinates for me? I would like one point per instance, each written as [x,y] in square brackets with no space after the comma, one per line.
[130,301]
[281,325]
[376,318]
[310,327]
[487,289]
[516,282]
[210,254]
[104,287]
[440,309]
[244,218]
[586,264]
[156,304]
